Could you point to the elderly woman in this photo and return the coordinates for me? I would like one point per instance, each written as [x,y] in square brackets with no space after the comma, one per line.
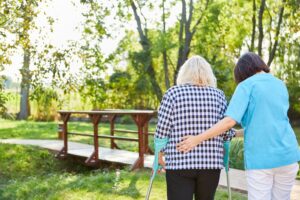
[189,108]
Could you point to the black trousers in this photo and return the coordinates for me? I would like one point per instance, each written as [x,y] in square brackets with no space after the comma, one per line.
[185,184]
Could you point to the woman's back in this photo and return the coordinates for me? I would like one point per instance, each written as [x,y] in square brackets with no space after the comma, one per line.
[261,103]
[189,110]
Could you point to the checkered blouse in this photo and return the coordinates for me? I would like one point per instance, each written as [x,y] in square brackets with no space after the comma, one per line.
[189,110]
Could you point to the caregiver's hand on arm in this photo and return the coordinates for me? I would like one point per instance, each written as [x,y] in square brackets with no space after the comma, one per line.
[189,142]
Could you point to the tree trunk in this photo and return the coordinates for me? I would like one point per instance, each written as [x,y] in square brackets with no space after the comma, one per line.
[186,50]
[260,27]
[188,34]
[253,25]
[166,69]
[25,85]
[180,40]
[274,48]
[185,24]
[165,60]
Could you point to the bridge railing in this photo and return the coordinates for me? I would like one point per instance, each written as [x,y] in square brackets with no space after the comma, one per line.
[140,117]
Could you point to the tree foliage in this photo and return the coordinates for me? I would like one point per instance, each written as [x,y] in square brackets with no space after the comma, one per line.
[18,25]
[157,38]
[220,31]
[46,66]
[288,56]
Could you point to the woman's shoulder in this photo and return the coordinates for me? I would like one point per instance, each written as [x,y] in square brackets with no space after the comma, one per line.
[214,90]
[258,79]
[176,89]
[217,90]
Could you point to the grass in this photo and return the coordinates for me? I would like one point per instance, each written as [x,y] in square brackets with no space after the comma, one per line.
[32,173]
[48,130]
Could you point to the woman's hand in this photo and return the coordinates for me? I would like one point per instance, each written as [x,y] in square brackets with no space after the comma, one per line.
[161,162]
[188,143]
[239,133]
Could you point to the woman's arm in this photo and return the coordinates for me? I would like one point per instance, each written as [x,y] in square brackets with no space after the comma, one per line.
[189,142]
[161,161]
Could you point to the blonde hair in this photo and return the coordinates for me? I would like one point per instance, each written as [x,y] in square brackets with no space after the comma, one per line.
[196,70]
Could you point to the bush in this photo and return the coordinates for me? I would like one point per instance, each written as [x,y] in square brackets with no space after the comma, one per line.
[3,97]
[125,119]
[47,101]
[237,153]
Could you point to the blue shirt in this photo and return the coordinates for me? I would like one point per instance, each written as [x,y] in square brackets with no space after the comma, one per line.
[260,104]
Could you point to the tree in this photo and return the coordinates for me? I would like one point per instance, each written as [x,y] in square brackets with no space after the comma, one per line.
[217,30]
[38,65]
[21,15]
[187,30]
[188,25]
[270,24]
[164,52]
[145,55]
[288,57]
[3,58]
[93,87]
[220,39]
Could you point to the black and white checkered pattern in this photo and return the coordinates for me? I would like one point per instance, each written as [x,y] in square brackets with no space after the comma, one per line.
[189,110]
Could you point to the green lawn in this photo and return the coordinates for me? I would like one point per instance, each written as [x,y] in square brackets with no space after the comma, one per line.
[30,173]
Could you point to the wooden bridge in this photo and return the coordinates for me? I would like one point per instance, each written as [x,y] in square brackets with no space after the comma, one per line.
[141,119]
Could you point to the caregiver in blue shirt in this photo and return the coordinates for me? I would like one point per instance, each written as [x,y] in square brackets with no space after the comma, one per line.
[271,152]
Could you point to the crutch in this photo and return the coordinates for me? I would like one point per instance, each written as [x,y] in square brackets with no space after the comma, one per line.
[159,144]
[150,184]
[226,164]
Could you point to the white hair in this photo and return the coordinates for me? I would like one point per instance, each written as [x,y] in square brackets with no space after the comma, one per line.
[196,70]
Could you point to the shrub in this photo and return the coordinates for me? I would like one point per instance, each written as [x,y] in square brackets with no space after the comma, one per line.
[237,153]
[3,97]
[47,101]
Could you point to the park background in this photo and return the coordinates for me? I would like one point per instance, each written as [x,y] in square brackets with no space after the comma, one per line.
[96,54]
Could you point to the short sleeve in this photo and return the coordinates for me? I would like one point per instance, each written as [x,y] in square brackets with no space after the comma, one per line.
[238,103]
